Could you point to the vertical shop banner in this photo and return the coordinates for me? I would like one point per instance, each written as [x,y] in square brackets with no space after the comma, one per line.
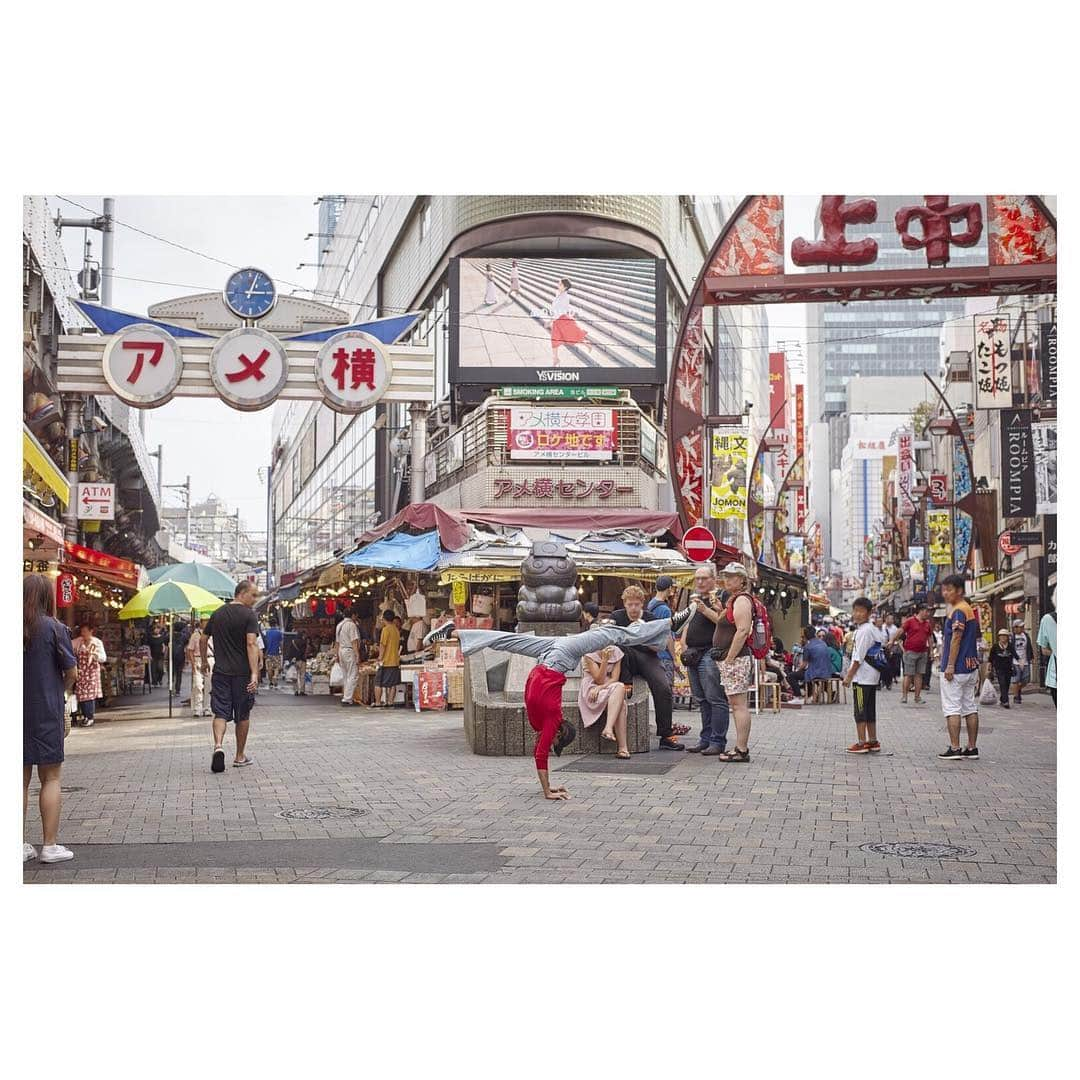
[905,467]
[727,494]
[940,538]
[1044,447]
[1017,464]
[796,554]
[939,489]
[1048,362]
[800,451]
[778,391]
[546,433]
[962,523]
[993,363]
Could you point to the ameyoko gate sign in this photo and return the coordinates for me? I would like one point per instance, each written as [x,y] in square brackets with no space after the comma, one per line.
[245,353]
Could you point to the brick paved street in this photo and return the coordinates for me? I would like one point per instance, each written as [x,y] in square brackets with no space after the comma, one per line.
[411,803]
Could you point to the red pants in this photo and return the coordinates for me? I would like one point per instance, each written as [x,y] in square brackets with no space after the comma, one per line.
[543,708]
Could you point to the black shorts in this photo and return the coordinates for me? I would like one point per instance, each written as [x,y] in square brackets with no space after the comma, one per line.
[229,697]
[388,677]
[865,699]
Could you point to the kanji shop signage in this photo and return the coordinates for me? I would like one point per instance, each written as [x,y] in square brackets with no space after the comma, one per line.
[778,391]
[353,371]
[939,489]
[728,491]
[67,591]
[143,365]
[905,468]
[800,452]
[1048,362]
[563,489]
[993,362]
[96,501]
[248,367]
[546,433]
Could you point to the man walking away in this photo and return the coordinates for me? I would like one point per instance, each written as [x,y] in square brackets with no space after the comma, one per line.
[234,631]
[644,661]
[1025,653]
[865,677]
[347,644]
[193,652]
[1048,645]
[702,669]
[915,636]
[386,683]
[959,669]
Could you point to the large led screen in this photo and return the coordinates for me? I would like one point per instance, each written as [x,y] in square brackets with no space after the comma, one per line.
[550,320]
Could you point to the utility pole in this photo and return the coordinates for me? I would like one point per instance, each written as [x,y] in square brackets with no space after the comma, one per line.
[418,425]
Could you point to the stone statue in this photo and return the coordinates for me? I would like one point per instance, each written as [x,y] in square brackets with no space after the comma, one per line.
[548,593]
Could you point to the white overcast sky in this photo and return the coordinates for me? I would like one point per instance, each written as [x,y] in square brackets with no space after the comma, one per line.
[220,448]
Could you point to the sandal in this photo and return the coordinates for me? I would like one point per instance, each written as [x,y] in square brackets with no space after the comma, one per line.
[734,754]
[624,754]
[680,729]
[609,736]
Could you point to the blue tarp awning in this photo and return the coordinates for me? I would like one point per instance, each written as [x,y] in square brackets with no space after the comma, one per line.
[400,552]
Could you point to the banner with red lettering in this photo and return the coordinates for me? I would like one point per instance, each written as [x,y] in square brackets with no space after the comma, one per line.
[544,433]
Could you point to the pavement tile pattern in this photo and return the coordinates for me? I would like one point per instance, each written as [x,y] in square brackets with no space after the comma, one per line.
[404,800]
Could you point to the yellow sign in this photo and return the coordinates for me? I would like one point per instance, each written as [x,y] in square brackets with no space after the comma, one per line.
[459,594]
[727,492]
[940,538]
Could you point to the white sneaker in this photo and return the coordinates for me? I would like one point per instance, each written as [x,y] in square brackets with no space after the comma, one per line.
[28,852]
[56,853]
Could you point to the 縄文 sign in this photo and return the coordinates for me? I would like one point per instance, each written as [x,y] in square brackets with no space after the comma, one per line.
[96,502]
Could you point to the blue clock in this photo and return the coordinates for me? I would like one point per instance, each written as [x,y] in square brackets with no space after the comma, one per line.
[250,294]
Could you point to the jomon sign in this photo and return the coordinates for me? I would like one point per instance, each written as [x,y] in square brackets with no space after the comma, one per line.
[747,265]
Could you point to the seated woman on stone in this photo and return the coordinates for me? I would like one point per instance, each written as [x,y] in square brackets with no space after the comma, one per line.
[602,691]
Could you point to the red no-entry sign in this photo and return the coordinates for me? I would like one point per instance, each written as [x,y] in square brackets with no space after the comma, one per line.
[699,544]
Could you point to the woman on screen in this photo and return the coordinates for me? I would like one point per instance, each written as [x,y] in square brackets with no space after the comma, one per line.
[564,329]
[515,279]
[491,296]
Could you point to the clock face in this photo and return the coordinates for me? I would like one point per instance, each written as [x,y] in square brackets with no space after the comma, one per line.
[250,293]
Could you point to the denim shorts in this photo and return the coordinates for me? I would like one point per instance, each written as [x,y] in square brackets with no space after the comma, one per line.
[230,698]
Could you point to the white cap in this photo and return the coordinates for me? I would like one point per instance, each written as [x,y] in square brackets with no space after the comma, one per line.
[736,568]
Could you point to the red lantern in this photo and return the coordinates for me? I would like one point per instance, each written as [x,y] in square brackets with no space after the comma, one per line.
[67,592]
[314,605]
[331,607]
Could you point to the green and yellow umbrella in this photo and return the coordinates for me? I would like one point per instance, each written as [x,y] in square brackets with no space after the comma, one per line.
[169,598]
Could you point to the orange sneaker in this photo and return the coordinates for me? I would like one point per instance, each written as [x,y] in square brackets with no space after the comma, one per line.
[874,747]
[859,748]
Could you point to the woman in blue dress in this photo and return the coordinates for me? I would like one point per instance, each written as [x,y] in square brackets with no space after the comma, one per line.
[48,671]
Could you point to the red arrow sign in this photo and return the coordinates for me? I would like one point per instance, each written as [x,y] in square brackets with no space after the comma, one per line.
[699,544]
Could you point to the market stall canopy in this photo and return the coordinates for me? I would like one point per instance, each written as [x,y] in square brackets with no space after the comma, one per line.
[453,525]
[206,577]
[498,558]
[169,598]
[401,552]
[37,459]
